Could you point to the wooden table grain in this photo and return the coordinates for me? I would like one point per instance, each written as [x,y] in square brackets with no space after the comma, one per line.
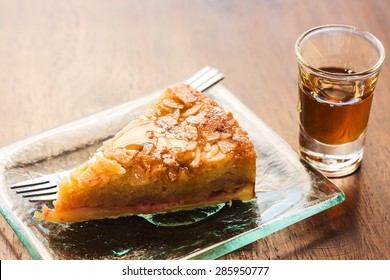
[63,60]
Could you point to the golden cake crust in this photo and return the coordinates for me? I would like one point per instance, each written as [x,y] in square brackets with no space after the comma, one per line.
[185,152]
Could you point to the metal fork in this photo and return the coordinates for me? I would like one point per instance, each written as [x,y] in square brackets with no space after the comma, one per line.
[44,188]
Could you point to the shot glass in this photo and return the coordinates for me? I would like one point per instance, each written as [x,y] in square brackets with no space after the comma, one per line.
[338,69]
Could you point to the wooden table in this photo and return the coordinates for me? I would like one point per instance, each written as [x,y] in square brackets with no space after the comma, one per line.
[63,60]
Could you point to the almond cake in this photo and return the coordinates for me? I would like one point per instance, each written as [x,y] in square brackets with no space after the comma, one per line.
[185,152]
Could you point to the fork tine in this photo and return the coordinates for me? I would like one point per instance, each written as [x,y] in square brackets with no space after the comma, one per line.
[51,178]
[44,198]
[31,182]
[198,74]
[39,194]
[30,190]
[210,82]
[204,78]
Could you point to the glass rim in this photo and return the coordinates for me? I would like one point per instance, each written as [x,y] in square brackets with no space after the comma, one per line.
[369,71]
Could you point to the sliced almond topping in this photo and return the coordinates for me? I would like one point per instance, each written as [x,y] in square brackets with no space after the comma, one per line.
[211,135]
[186,96]
[213,151]
[148,148]
[237,134]
[226,146]
[196,161]
[123,156]
[176,114]
[191,132]
[219,156]
[194,119]
[207,147]
[172,104]
[167,121]
[169,160]
[225,135]
[193,110]
[197,118]
[191,145]
[157,153]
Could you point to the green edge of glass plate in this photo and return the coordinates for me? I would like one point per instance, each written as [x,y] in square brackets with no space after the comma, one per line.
[19,232]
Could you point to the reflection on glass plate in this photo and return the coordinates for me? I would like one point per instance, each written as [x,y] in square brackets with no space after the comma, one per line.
[182,217]
[287,190]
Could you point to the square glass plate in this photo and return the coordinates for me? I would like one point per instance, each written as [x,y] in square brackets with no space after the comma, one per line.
[288,191]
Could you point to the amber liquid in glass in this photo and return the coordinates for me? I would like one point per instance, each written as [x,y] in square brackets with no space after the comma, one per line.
[331,111]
